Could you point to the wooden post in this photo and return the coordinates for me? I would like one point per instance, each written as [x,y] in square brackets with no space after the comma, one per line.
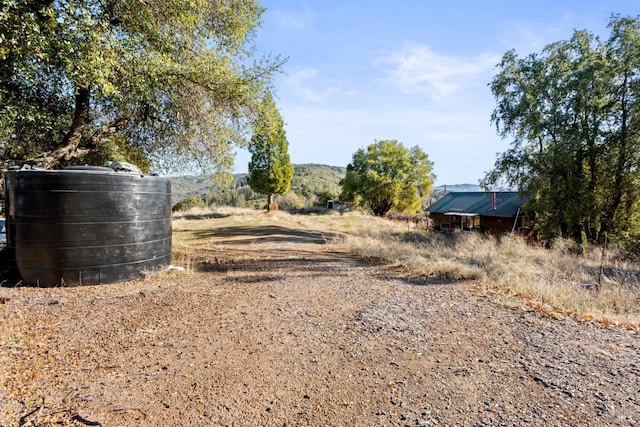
[602,258]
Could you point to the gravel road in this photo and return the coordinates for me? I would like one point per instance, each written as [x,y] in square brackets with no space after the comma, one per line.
[283,331]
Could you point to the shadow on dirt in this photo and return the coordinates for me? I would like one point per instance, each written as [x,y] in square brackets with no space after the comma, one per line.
[418,281]
[271,265]
[278,259]
[212,215]
[275,264]
[241,235]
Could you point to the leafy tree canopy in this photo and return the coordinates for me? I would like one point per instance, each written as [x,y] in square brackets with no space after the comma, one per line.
[573,113]
[162,80]
[270,169]
[387,176]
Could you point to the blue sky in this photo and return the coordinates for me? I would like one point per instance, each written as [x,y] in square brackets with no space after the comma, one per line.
[415,71]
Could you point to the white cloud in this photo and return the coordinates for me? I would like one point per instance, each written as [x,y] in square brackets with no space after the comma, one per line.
[418,69]
[308,84]
[291,20]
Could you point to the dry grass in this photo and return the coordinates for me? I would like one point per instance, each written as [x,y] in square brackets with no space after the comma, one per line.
[556,281]
[553,280]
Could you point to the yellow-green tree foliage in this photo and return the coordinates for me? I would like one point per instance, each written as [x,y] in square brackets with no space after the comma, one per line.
[386,176]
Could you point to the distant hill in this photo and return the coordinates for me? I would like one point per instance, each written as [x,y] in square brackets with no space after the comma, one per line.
[185,186]
[458,188]
[308,180]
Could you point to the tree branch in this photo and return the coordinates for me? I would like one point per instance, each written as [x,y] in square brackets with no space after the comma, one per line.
[108,130]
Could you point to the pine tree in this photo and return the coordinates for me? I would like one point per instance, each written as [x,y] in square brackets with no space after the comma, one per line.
[270,169]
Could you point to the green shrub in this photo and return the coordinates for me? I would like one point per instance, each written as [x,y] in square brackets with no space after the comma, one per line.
[189,203]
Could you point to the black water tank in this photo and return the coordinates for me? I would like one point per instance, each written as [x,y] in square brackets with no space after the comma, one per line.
[86,225]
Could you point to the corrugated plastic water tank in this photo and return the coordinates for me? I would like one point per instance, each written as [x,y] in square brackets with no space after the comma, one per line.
[84,226]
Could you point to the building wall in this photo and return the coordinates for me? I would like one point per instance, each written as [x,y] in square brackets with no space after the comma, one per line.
[488,224]
[496,225]
[438,219]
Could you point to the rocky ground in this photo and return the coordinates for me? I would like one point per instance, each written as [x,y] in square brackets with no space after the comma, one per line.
[281,330]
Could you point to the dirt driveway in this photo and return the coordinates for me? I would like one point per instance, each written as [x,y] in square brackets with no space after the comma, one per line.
[275,328]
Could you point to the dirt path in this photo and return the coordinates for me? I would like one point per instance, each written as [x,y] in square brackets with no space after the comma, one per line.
[278,330]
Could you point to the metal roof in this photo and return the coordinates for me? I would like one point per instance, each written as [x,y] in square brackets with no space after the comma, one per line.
[507,204]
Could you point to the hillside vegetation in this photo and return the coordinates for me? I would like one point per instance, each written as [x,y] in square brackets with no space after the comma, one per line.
[312,184]
[189,185]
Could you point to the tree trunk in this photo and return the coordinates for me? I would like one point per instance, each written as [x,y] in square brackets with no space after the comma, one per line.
[608,221]
[68,149]
[380,208]
[269,201]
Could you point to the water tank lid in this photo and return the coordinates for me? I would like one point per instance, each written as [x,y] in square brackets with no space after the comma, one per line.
[88,168]
[109,167]
[30,168]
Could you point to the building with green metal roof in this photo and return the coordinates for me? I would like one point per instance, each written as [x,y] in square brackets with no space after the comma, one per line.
[492,212]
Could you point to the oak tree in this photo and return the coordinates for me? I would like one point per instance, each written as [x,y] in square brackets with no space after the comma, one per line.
[162,80]
[573,113]
[387,176]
